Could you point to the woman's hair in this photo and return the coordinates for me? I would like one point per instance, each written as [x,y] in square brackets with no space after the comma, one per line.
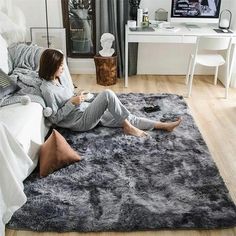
[50,61]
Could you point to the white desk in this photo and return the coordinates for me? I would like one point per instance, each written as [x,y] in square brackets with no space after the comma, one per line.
[183,35]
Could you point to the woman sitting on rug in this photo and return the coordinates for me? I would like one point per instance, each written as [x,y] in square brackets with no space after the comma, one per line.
[71,111]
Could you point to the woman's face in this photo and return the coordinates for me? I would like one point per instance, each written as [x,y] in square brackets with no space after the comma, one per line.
[59,70]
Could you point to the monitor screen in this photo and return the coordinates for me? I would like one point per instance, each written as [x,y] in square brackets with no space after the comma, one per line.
[195,10]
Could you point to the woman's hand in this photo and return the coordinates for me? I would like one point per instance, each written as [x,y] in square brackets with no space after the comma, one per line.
[78,99]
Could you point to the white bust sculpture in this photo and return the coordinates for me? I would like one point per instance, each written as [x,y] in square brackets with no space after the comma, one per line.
[106,43]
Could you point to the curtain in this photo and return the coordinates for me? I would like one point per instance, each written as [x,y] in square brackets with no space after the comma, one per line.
[111,17]
[13,23]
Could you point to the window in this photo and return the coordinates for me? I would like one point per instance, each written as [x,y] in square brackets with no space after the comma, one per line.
[79,21]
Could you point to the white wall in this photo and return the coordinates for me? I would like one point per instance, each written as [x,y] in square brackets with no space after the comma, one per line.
[152,58]
[34,11]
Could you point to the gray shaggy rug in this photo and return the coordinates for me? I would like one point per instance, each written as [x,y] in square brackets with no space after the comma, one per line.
[125,183]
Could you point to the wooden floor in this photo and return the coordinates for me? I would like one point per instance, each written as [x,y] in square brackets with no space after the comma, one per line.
[215,117]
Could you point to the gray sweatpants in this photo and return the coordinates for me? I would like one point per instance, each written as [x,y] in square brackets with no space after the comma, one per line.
[107,109]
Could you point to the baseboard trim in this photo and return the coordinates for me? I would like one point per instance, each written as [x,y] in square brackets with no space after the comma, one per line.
[81,66]
[87,66]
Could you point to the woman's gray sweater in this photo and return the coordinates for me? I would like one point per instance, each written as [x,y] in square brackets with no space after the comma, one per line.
[106,109]
[57,96]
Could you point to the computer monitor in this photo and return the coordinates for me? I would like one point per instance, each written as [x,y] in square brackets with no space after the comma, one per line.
[195,11]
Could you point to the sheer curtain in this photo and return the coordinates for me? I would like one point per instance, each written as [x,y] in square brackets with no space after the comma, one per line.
[12,22]
[111,17]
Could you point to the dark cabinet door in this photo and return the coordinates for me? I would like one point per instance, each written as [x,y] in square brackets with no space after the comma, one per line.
[80,23]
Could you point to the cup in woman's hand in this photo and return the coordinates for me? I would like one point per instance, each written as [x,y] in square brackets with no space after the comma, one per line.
[77,99]
[87,95]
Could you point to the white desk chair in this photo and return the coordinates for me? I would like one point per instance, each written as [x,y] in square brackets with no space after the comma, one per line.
[210,58]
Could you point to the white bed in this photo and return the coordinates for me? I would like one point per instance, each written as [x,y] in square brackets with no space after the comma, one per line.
[15,166]
[22,131]
[26,124]
[22,128]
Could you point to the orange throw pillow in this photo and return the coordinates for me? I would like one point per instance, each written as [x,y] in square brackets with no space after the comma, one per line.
[55,153]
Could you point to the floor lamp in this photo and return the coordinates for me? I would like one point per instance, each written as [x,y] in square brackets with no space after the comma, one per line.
[47,33]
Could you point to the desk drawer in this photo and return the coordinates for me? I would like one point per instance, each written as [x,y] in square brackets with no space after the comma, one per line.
[189,39]
[155,38]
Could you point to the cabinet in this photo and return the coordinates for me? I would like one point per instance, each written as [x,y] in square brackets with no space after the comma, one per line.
[80,23]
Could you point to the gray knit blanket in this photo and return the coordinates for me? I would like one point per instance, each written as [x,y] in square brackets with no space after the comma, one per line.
[23,63]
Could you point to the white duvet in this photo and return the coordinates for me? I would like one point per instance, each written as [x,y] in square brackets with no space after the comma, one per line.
[27,124]
[22,131]
[15,166]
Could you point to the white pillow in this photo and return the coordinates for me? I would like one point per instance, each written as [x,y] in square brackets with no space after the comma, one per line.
[3,55]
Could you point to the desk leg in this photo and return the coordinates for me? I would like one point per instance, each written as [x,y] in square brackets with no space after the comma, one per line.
[126,58]
[230,70]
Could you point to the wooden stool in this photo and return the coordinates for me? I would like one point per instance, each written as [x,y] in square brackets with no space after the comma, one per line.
[106,70]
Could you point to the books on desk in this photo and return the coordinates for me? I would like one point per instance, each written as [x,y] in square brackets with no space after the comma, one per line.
[171,29]
[150,29]
[142,29]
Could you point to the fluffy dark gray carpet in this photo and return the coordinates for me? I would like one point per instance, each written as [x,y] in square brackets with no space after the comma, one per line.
[126,183]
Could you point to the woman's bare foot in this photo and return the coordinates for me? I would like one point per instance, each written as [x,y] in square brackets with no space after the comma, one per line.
[131,130]
[168,126]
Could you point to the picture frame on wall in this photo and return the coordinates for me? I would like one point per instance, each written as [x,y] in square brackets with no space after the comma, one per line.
[79,19]
[56,36]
